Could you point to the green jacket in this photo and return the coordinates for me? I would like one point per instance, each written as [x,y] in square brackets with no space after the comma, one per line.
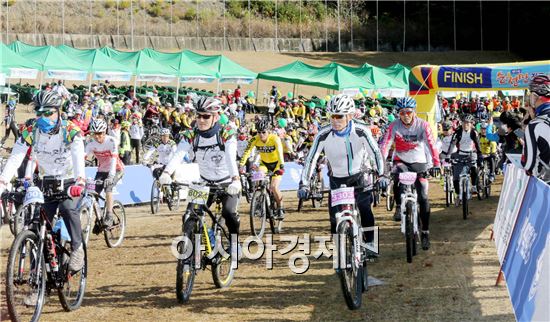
[124,142]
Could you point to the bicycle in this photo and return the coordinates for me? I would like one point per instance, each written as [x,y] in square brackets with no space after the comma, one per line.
[263,206]
[195,233]
[89,206]
[11,214]
[169,193]
[316,187]
[409,212]
[484,184]
[388,193]
[38,262]
[463,164]
[352,260]
[448,186]
[247,189]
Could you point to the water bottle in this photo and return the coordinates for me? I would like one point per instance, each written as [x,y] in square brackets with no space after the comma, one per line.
[212,237]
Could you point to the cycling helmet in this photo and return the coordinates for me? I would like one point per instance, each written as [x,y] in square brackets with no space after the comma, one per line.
[165,131]
[47,100]
[540,85]
[447,125]
[468,118]
[341,104]
[168,105]
[405,102]
[208,105]
[125,124]
[484,125]
[262,125]
[98,125]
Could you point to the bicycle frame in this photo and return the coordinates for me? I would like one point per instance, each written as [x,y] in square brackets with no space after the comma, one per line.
[465,181]
[409,194]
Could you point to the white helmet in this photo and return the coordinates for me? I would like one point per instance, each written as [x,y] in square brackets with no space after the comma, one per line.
[165,131]
[341,104]
[98,125]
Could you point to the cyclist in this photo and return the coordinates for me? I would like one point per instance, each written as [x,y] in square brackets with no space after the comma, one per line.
[165,149]
[58,149]
[109,166]
[445,140]
[9,120]
[536,153]
[269,147]
[412,136]
[488,150]
[468,149]
[346,143]
[214,148]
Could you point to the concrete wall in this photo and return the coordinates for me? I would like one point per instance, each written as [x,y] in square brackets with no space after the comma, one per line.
[124,42]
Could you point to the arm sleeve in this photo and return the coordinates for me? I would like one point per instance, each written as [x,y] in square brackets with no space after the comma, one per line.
[16,158]
[114,158]
[529,157]
[77,154]
[247,151]
[374,151]
[431,144]
[388,141]
[311,160]
[231,156]
[181,152]
[279,147]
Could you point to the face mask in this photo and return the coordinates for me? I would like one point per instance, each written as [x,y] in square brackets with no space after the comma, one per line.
[45,124]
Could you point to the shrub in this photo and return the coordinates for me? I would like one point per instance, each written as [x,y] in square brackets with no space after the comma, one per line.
[110,4]
[190,14]
[235,9]
[124,4]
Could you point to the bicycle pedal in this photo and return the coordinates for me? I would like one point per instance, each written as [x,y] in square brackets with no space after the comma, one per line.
[96,230]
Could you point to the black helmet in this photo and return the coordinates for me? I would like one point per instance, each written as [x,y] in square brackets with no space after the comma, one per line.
[262,125]
[468,118]
[47,100]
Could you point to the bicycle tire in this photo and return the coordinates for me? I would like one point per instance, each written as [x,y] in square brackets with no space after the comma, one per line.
[185,269]
[155,197]
[448,192]
[409,233]
[316,202]
[176,199]
[169,199]
[86,223]
[465,200]
[258,214]
[350,281]
[14,262]
[365,276]
[64,293]
[114,235]
[390,200]
[22,216]
[300,204]
[222,269]
[481,185]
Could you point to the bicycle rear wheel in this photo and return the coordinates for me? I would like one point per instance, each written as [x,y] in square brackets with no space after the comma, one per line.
[258,214]
[155,197]
[22,217]
[26,278]
[186,270]
[410,241]
[72,292]
[448,192]
[351,275]
[390,200]
[317,195]
[114,234]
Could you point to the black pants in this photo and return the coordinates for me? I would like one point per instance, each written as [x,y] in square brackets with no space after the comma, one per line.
[71,217]
[421,185]
[230,204]
[363,199]
[490,159]
[126,157]
[136,145]
[12,127]
[465,161]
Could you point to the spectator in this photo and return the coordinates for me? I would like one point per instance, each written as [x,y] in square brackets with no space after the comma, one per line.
[136,134]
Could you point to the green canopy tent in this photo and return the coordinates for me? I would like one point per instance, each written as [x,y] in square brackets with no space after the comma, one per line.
[374,75]
[398,72]
[15,65]
[187,69]
[332,77]
[99,65]
[142,66]
[226,70]
[52,60]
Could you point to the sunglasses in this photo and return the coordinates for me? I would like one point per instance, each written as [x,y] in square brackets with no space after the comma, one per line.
[406,112]
[45,113]
[98,134]
[204,116]
[337,116]
[262,132]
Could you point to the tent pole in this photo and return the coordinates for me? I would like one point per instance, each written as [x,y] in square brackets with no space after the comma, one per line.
[294,90]
[41,80]
[90,82]
[218,87]
[177,92]
[135,86]
[257,87]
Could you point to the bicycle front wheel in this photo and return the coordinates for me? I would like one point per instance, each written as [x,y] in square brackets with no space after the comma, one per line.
[258,214]
[114,235]
[410,241]
[186,270]
[71,293]
[25,278]
[351,274]
[155,197]
[465,188]
[222,268]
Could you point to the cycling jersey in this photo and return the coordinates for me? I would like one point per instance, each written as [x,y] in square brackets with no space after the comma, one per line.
[345,153]
[216,159]
[445,143]
[466,142]
[165,152]
[106,154]
[60,154]
[487,146]
[536,153]
[270,152]
[411,142]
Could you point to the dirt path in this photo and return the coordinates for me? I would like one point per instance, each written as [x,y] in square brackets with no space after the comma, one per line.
[453,281]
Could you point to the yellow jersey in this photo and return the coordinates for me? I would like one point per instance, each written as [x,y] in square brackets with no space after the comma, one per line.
[487,147]
[271,151]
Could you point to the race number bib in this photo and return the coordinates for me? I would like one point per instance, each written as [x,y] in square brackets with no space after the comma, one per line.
[258,176]
[198,194]
[342,196]
[407,178]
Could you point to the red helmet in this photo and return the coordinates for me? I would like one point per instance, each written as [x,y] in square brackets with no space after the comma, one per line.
[540,85]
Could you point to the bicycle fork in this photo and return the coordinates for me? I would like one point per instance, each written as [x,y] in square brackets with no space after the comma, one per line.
[405,198]
[342,218]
